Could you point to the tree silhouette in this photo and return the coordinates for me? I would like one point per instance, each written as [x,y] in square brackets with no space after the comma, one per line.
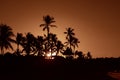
[59,47]
[48,23]
[19,40]
[72,41]
[89,56]
[75,42]
[28,43]
[80,55]
[53,41]
[68,51]
[6,35]
[69,37]
[39,45]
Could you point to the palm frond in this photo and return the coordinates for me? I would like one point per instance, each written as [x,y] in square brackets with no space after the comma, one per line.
[65,32]
[10,46]
[52,21]
[53,25]
[44,28]
[42,25]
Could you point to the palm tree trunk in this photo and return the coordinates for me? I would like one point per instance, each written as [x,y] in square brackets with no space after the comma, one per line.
[57,52]
[74,53]
[48,35]
[70,41]
[18,52]
[18,47]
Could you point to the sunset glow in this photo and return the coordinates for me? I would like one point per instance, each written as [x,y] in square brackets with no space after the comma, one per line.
[50,55]
[60,39]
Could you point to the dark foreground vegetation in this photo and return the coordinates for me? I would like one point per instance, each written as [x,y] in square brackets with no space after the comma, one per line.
[59,68]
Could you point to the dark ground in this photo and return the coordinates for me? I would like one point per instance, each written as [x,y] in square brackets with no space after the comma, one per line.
[37,68]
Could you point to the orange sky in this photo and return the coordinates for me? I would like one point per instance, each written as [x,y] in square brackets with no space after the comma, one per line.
[96,22]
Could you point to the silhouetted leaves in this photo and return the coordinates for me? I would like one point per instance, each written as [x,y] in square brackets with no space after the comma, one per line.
[6,35]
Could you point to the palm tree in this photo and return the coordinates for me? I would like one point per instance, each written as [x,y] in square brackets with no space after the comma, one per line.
[53,41]
[48,23]
[28,43]
[75,42]
[69,36]
[39,42]
[19,39]
[6,35]
[72,41]
[59,46]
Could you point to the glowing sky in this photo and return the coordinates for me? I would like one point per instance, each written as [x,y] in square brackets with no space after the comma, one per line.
[96,22]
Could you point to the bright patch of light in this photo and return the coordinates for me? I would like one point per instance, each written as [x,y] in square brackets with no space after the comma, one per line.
[54,54]
[49,54]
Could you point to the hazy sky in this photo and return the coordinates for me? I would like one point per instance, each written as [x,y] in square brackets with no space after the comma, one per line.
[96,22]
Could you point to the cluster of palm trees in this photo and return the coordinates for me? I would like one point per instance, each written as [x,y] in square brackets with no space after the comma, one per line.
[40,45]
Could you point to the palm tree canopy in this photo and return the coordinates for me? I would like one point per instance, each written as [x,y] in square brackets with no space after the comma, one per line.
[48,22]
[70,36]
[72,41]
[68,51]
[28,43]
[6,35]
[48,19]
[19,38]
[75,42]
[69,32]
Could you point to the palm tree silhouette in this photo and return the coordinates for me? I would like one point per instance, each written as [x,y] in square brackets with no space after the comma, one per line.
[28,43]
[53,40]
[48,23]
[68,52]
[39,45]
[75,42]
[19,39]
[72,41]
[6,35]
[69,36]
[59,46]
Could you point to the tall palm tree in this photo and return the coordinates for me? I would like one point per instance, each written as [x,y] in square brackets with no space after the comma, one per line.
[72,41]
[69,37]
[6,35]
[19,39]
[48,23]
[75,42]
